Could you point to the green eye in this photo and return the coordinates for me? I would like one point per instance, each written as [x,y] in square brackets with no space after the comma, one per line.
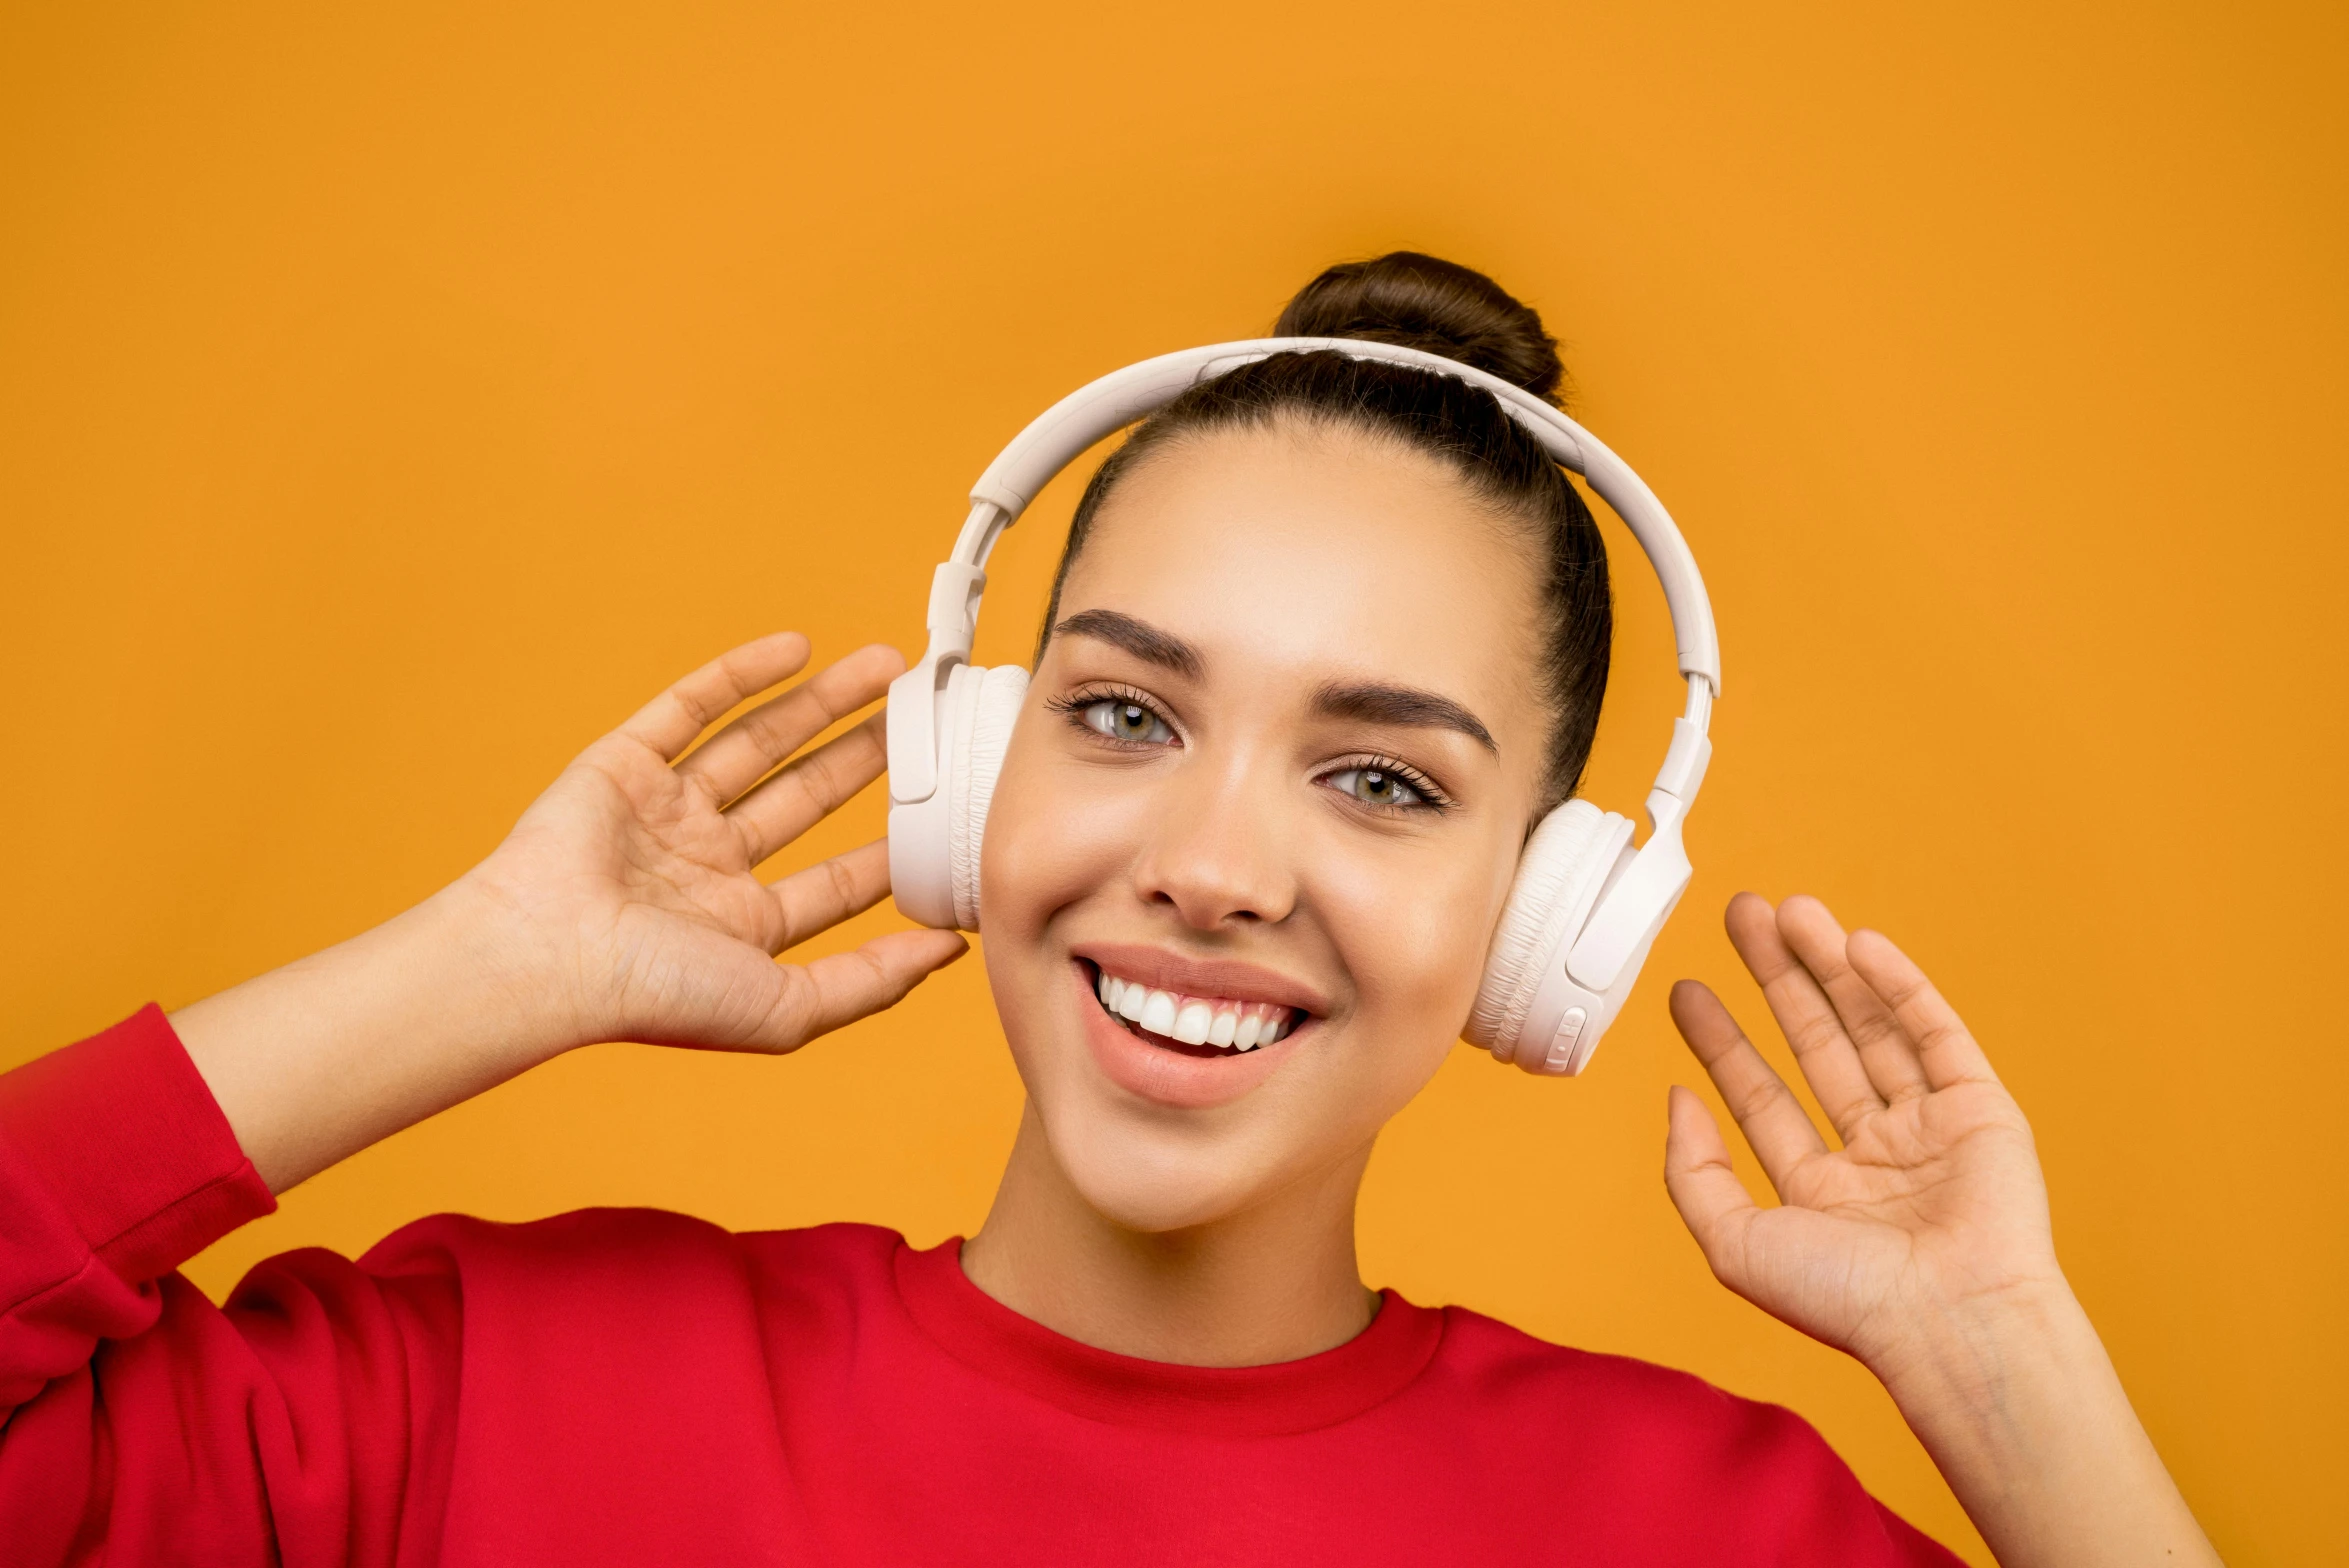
[1376,787]
[1127,721]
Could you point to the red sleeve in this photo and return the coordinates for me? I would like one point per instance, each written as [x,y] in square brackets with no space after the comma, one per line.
[141,1421]
[1912,1546]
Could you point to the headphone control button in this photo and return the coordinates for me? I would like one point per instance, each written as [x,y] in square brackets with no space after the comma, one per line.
[1562,1043]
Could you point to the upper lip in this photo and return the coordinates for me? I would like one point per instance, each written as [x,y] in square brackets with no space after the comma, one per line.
[1161,970]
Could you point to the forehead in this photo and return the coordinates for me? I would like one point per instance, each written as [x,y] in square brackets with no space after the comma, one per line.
[1308,552]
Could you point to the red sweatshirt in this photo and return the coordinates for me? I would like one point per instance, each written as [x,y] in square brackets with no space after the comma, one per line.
[625,1386]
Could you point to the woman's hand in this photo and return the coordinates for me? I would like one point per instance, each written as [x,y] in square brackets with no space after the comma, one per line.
[634,910]
[1921,1245]
[624,905]
[1932,1207]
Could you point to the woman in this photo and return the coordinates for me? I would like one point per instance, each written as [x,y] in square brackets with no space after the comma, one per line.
[1158,1347]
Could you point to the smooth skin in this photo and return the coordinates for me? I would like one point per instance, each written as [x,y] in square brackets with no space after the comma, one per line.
[626,905]
[1285,564]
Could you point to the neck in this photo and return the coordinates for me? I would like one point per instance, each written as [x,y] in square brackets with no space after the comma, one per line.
[1275,1282]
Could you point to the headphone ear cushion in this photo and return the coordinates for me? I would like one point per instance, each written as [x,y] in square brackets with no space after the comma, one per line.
[1569,850]
[979,746]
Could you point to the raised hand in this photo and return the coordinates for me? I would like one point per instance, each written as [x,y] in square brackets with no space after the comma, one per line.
[631,880]
[1932,1208]
[1921,1245]
[623,906]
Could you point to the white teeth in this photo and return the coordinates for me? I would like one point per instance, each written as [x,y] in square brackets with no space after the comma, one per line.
[1158,1013]
[1195,1020]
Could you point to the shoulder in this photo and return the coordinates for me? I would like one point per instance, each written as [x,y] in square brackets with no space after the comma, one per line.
[588,1235]
[672,1296]
[1678,1456]
[624,1245]
[1502,1366]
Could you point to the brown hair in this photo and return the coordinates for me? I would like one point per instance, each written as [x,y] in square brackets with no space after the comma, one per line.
[1425,303]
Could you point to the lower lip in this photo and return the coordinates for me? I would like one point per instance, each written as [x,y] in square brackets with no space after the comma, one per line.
[1171,1078]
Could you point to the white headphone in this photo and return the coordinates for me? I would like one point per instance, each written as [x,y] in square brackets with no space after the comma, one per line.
[1585,906]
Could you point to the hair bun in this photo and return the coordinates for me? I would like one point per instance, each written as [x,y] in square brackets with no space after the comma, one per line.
[1425,302]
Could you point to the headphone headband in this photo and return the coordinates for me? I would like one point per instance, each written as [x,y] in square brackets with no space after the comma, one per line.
[1056,437]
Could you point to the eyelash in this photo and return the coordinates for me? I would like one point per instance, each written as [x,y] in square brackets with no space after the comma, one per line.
[1432,798]
[1075,703]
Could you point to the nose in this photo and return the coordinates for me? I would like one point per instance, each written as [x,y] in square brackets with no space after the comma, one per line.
[1216,856]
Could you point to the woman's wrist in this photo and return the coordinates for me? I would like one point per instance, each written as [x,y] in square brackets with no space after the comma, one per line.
[316,1060]
[501,948]
[2020,1407]
[1959,1363]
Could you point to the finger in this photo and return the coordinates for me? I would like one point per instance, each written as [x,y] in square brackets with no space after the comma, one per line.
[810,788]
[1805,1016]
[1712,1202]
[1884,1047]
[1946,1049]
[742,753]
[1767,1112]
[668,723]
[843,987]
[822,896]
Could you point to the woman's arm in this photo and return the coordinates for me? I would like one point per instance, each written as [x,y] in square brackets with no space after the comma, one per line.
[300,1422]
[623,906]
[1921,1245]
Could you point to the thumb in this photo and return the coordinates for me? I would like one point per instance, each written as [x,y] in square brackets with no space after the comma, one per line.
[843,987]
[1713,1203]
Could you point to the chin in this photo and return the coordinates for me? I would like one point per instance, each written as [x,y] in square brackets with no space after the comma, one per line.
[1152,1180]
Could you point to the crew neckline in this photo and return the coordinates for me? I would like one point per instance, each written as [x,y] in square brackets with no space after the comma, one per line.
[1264,1401]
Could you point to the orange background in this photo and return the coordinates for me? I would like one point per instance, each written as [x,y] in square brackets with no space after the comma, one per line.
[388,403]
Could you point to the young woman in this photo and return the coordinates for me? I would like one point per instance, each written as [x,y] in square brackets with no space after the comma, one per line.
[1297,807]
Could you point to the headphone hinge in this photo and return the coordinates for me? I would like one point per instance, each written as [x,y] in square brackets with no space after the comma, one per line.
[1683,772]
[955,591]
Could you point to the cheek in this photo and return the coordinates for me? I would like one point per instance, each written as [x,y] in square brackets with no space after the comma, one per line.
[1052,840]
[1413,933]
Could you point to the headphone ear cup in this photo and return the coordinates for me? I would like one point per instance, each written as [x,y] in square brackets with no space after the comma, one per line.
[1558,876]
[979,744]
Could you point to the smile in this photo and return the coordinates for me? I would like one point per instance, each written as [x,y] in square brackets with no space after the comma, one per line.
[1194,1025]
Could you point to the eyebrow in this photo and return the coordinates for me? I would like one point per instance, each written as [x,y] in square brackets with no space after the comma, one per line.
[1139,638]
[1373,702]
[1365,702]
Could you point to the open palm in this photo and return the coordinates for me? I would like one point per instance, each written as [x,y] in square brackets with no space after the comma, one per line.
[633,881]
[1933,1205]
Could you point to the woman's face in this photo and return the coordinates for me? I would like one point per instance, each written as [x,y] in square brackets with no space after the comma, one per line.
[1273,773]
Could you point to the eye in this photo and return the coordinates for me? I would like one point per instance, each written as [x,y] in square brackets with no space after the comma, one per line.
[1121,720]
[1376,787]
